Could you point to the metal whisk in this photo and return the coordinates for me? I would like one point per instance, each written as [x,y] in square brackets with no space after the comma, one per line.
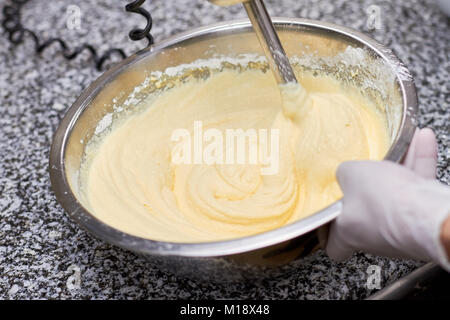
[268,38]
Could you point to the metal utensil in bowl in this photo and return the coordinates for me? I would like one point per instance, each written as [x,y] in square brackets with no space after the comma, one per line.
[268,38]
[255,256]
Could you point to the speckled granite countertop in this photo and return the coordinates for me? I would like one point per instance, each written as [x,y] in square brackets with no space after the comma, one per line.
[43,253]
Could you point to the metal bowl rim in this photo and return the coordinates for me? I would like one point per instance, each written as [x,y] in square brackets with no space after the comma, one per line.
[89,222]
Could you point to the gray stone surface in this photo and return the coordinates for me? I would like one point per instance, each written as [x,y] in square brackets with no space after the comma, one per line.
[42,251]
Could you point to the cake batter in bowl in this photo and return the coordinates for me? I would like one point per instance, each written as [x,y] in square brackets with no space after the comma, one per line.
[111,115]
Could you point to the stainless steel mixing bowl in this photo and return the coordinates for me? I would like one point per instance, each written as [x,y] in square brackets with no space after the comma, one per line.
[245,258]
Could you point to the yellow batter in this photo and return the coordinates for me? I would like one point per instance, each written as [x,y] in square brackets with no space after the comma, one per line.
[134,185]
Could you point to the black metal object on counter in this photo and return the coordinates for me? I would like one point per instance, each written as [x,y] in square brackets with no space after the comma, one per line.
[16,32]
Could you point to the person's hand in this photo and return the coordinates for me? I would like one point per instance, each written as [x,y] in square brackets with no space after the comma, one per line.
[393,210]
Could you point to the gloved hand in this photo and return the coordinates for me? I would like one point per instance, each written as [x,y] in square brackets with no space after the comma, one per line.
[393,210]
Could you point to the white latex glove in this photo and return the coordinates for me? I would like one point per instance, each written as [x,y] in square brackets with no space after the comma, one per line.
[392,210]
